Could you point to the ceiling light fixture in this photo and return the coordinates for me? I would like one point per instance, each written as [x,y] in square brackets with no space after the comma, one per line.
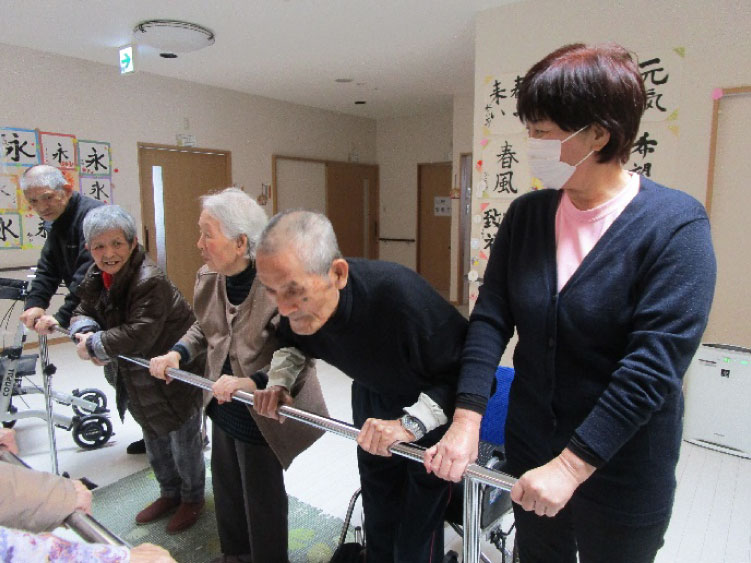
[173,36]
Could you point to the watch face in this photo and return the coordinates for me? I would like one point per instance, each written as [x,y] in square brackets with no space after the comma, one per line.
[410,424]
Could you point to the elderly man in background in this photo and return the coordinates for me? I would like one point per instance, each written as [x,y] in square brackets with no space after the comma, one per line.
[64,257]
[399,340]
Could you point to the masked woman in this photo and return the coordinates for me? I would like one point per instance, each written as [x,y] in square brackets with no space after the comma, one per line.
[608,278]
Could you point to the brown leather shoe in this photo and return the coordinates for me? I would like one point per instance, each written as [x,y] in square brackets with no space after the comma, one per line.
[186,515]
[160,507]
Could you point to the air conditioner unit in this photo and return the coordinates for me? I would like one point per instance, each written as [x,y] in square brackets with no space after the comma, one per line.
[718,399]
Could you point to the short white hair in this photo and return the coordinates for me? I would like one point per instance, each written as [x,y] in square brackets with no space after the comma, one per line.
[238,214]
[45,176]
[106,218]
[310,234]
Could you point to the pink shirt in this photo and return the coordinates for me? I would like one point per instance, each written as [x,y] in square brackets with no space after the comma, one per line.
[577,231]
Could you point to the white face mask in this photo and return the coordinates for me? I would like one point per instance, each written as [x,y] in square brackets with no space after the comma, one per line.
[545,161]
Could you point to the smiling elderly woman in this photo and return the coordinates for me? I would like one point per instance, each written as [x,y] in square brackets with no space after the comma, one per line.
[236,326]
[128,306]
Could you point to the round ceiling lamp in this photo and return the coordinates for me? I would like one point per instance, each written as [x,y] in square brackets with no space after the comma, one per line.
[173,36]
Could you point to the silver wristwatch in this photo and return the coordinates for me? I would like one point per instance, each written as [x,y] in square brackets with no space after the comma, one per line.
[413,425]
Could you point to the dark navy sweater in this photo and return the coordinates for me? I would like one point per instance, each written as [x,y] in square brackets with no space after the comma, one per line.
[392,333]
[602,361]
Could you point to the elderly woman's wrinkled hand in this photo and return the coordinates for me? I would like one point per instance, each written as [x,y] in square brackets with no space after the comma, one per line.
[159,365]
[81,349]
[83,497]
[8,440]
[150,553]
[226,385]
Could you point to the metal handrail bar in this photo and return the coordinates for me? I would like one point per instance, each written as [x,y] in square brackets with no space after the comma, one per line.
[474,474]
[81,523]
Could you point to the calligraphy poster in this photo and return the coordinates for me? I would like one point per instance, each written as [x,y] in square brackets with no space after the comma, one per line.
[505,170]
[8,191]
[94,158]
[34,235]
[19,147]
[58,150]
[497,113]
[11,235]
[655,151]
[20,227]
[98,188]
[662,79]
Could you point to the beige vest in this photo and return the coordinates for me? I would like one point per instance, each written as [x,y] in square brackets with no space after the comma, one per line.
[246,333]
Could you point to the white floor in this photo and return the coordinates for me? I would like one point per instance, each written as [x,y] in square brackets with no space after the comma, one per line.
[711,520]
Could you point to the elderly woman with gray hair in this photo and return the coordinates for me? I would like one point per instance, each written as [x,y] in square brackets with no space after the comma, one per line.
[128,306]
[236,326]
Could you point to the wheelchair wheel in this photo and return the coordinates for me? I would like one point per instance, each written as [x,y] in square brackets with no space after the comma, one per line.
[93,395]
[11,423]
[92,432]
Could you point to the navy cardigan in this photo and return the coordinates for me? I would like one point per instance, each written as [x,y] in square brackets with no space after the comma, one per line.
[602,361]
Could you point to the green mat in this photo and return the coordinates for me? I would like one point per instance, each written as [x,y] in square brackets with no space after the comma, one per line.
[313,535]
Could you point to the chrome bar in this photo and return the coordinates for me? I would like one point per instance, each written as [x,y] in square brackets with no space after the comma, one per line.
[474,474]
[47,384]
[471,523]
[81,523]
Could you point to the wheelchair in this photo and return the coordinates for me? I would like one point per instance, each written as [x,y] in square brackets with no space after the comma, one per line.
[90,425]
[495,503]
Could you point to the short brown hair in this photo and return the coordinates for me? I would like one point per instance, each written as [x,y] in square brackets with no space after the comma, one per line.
[580,85]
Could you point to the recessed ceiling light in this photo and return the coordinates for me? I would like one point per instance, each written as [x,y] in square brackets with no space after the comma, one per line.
[360,102]
[343,80]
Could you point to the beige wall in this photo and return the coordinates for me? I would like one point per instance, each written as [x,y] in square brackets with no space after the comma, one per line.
[93,101]
[715,36]
[402,144]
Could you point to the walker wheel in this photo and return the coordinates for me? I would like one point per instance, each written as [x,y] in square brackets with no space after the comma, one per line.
[11,423]
[93,395]
[92,432]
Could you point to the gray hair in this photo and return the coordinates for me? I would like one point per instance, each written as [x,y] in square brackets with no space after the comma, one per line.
[238,214]
[310,234]
[106,218]
[43,175]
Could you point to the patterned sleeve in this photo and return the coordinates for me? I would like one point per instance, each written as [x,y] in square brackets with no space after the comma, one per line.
[17,546]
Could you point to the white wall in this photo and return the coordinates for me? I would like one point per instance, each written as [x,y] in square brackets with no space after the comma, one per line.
[93,101]
[402,144]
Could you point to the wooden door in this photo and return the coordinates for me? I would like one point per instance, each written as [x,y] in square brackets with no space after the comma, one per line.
[352,206]
[465,204]
[434,225]
[180,175]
